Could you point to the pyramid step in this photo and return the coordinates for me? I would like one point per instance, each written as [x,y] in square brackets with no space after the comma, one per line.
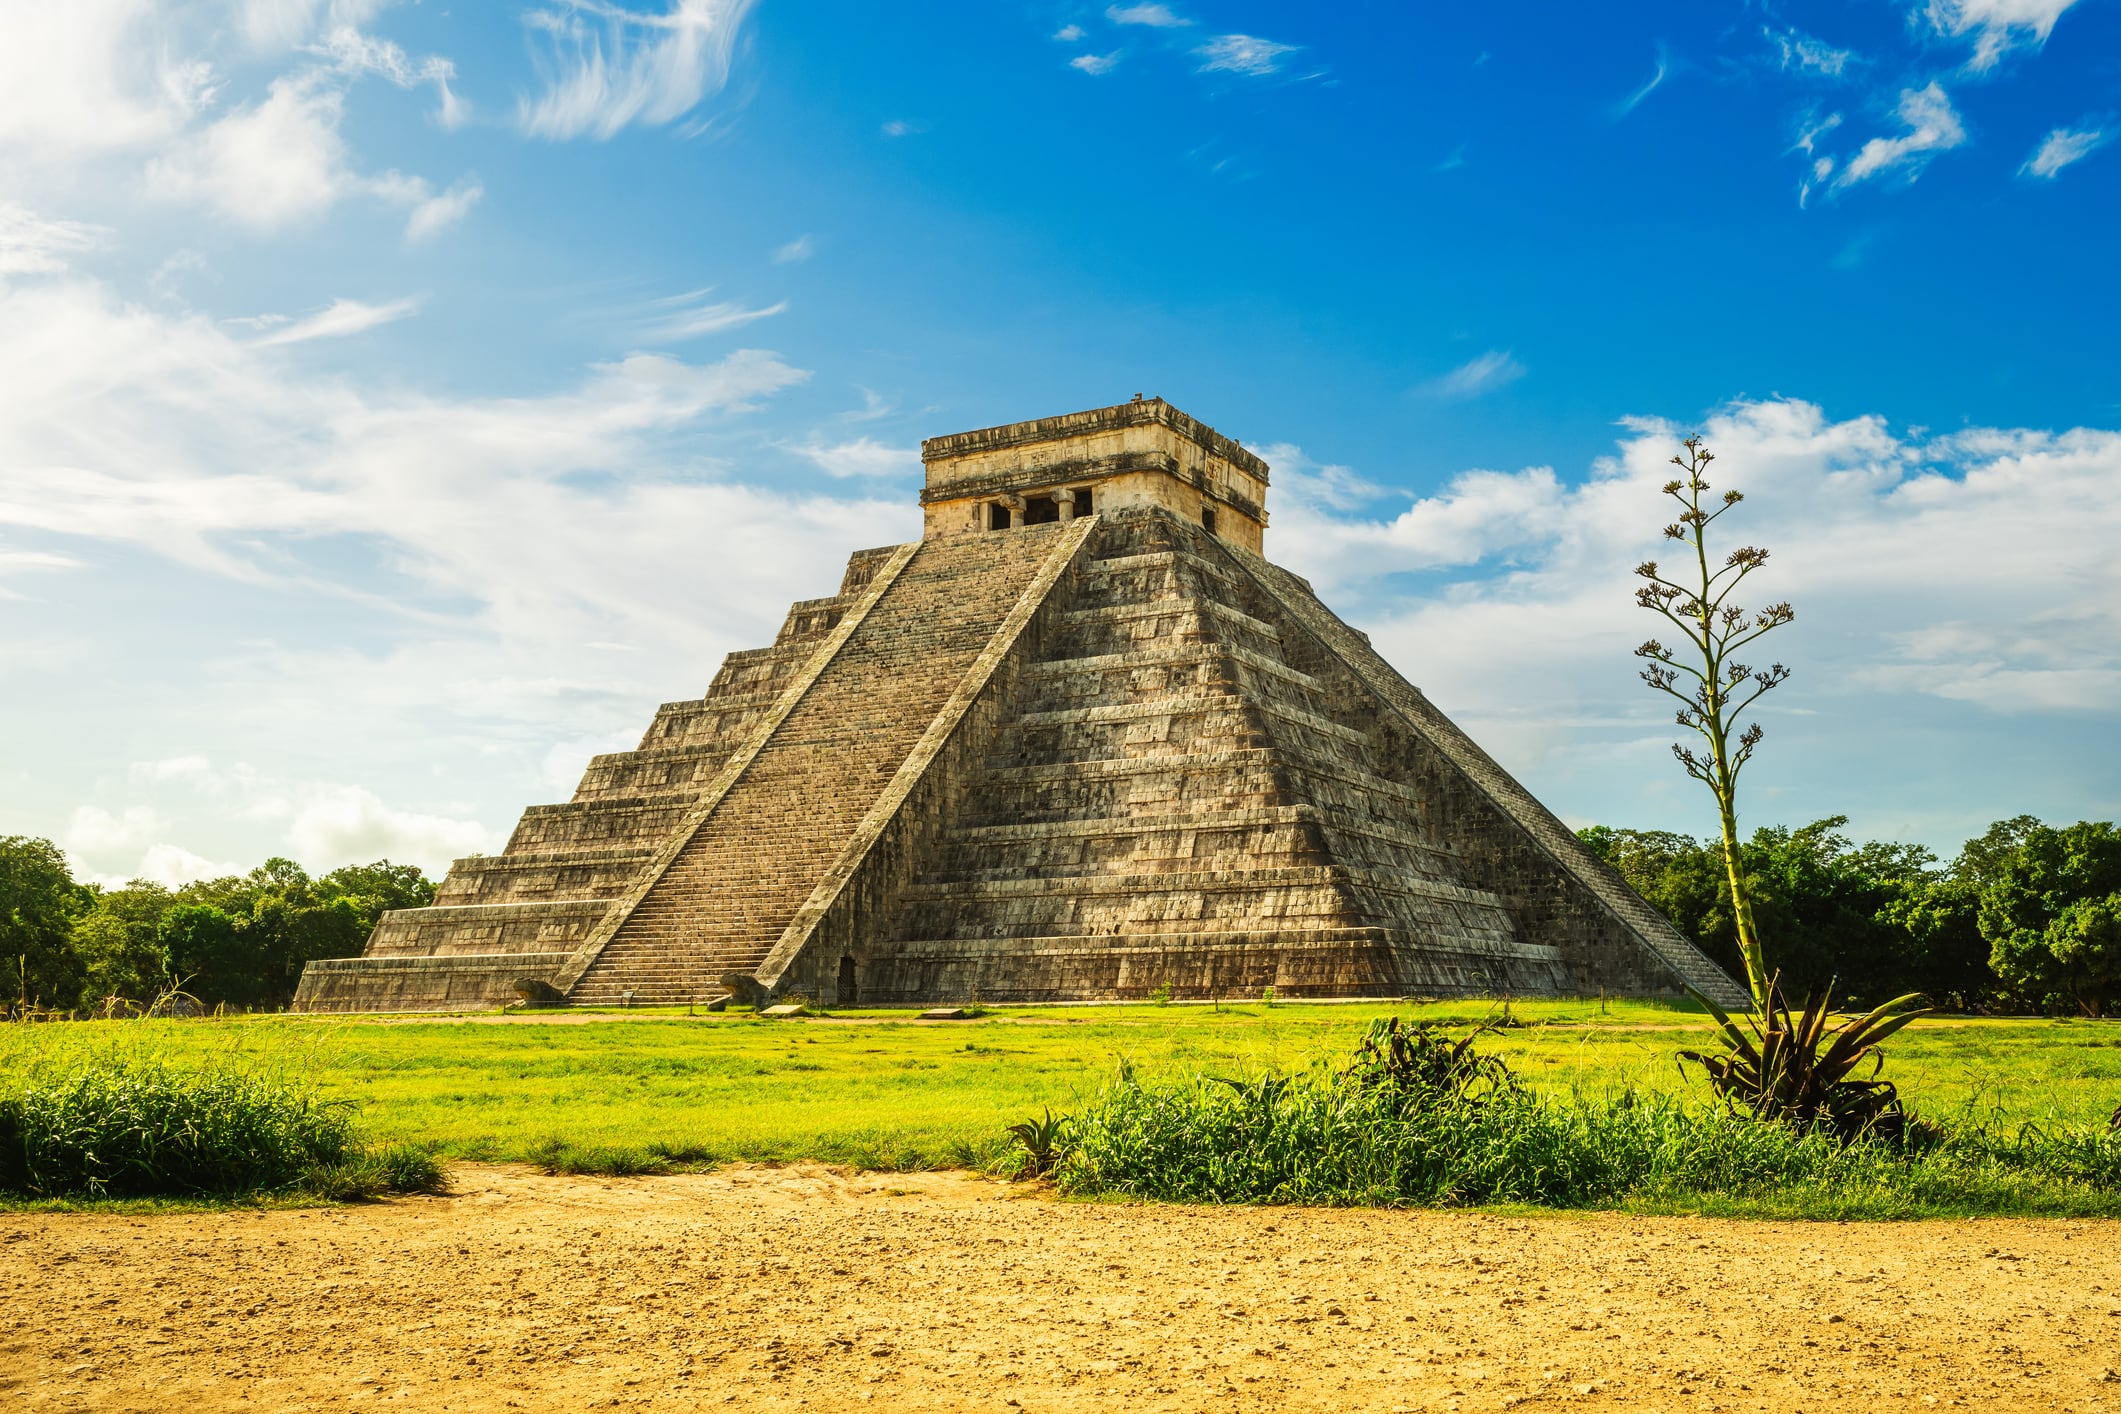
[1191,704]
[1184,654]
[928,947]
[1165,608]
[1221,881]
[1155,559]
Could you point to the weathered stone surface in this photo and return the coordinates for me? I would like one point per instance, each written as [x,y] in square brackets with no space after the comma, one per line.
[1105,753]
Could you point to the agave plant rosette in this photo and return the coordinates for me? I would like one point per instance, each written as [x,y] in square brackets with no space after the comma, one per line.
[1805,1067]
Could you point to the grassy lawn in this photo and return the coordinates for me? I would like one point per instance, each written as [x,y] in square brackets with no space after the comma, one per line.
[883,1090]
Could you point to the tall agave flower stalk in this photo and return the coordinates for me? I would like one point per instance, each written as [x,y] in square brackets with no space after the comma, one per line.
[1706,676]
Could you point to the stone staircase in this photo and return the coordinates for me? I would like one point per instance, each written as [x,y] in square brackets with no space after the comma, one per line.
[555,881]
[1174,803]
[728,894]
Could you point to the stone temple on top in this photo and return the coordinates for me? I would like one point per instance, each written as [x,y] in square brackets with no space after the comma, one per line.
[1080,741]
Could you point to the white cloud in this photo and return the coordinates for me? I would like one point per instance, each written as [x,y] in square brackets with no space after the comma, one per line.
[267,165]
[900,127]
[287,24]
[435,214]
[193,767]
[356,53]
[1997,26]
[1971,573]
[1493,369]
[93,830]
[1933,126]
[31,245]
[321,824]
[799,249]
[2056,151]
[609,67]
[283,161]
[32,562]
[864,456]
[675,319]
[92,76]
[344,317]
[1154,16]
[1068,34]
[1096,63]
[174,866]
[1814,129]
[1806,55]
[334,825]
[1241,54]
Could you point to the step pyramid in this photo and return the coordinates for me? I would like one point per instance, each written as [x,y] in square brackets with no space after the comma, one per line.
[1080,741]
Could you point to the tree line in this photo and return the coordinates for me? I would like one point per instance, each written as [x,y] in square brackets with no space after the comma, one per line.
[2027,917]
[239,941]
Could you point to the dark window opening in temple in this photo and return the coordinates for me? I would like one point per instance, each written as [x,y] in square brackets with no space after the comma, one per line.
[1207,519]
[1041,510]
[1082,500]
[997,516]
[847,991]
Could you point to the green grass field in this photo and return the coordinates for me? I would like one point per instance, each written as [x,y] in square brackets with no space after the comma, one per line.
[882,1090]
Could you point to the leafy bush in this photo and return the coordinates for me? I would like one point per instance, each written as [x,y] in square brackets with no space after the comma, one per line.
[142,1128]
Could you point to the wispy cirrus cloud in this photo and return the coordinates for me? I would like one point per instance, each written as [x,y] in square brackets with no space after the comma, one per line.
[1933,126]
[1153,16]
[1095,64]
[32,244]
[357,53]
[607,67]
[2062,147]
[1494,369]
[1658,73]
[1242,54]
[692,315]
[1802,54]
[344,317]
[863,456]
[1996,26]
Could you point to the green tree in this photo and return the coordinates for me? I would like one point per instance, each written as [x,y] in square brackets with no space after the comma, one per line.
[1876,919]
[248,937]
[209,953]
[1712,686]
[2048,911]
[118,941]
[39,901]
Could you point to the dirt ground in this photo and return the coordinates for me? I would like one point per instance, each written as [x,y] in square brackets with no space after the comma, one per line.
[799,1288]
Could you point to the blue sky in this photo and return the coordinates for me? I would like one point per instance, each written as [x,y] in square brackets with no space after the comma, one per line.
[398,401]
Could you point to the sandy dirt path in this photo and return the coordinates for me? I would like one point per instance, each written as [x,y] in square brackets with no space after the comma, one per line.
[798,1288]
